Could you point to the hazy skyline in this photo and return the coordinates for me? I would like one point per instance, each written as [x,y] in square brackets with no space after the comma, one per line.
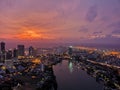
[60,21]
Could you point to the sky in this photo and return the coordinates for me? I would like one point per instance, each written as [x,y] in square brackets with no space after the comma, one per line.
[46,22]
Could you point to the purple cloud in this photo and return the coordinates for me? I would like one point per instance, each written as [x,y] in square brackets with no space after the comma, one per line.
[83,29]
[108,39]
[92,13]
[115,25]
[98,32]
[116,31]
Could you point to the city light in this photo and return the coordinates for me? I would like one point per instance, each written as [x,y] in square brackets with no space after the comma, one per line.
[36,61]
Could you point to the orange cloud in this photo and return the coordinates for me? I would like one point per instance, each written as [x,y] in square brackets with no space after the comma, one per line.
[5,36]
[32,34]
[29,35]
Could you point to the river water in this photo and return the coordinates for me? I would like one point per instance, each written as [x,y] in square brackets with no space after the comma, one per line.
[70,77]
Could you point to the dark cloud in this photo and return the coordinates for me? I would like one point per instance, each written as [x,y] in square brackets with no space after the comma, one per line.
[105,18]
[98,32]
[118,1]
[92,13]
[115,25]
[35,24]
[83,29]
[108,39]
[38,24]
[116,31]
[116,10]
[7,3]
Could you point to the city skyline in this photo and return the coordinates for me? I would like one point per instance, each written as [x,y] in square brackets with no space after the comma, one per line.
[46,23]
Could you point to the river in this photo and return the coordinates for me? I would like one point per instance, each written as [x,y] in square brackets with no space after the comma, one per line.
[71,77]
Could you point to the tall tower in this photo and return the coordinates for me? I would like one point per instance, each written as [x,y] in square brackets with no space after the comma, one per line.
[9,54]
[2,47]
[70,50]
[31,51]
[15,53]
[2,52]
[21,50]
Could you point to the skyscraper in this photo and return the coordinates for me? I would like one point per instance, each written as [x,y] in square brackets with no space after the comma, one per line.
[2,52]
[9,54]
[2,47]
[15,53]
[21,50]
[31,51]
[70,50]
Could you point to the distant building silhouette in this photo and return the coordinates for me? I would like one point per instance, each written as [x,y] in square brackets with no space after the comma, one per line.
[2,47]
[21,50]
[70,50]
[9,54]
[2,52]
[31,51]
[15,53]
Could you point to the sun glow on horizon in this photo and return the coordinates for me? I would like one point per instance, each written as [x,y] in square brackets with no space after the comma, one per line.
[29,34]
[32,35]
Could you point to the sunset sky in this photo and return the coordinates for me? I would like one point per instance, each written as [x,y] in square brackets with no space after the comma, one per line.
[60,21]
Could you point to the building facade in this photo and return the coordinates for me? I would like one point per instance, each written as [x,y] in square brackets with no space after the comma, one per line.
[21,51]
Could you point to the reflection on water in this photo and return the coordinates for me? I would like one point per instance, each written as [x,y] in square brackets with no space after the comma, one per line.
[70,65]
[79,75]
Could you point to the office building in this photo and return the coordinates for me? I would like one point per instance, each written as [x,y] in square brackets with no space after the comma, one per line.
[31,51]
[2,47]
[21,50]
[9,54]
[70,50]
[15,53]
[2,52]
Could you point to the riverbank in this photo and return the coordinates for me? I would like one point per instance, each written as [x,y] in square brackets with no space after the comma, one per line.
[35,76]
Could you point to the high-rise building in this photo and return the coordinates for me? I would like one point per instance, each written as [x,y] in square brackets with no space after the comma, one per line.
[2,47]
[21,50]
[2,52]
[31,51]
[9,54]
[70,50]
[15,53]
